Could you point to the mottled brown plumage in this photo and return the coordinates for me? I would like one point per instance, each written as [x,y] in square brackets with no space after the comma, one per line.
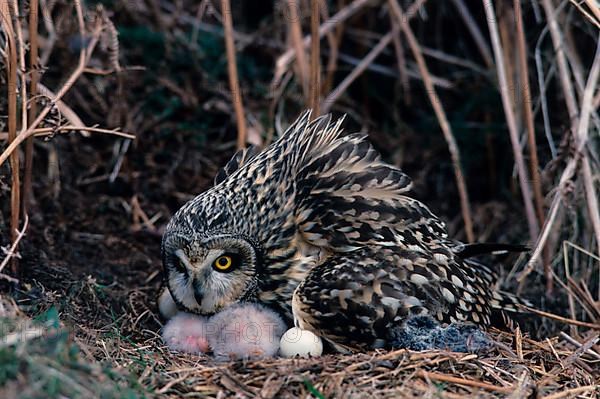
[320,228]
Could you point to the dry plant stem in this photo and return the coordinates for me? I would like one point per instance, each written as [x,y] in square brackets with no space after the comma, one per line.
[595,10]
[572,392]
[571,102]
[510,119]
[315,60]
[480,41]
[401,60]
[33,67]
[333,39]
[12,123]
[48,131]
[12,251]
[65,111]
[283,62]
[561,60]
[21,60]
[591,200]
[593,5]
[560,318]
[46,7]
[580,133]
[440,114]
[462,381]
[360,68]
[85,55]
[526,98]
[234,84]
[528,115]
[296,33]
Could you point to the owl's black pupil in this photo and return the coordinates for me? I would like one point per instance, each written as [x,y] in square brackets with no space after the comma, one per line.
[222,261]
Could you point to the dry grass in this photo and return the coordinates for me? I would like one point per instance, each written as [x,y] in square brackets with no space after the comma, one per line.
[517,367]
[88,243]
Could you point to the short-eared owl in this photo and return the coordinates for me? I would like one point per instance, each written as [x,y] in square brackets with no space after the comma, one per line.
[318,227]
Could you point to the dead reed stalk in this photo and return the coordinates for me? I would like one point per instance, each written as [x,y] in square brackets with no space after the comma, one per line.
[510,119]
[12,67]
[296,36]
[356,72]
[284,60]
[581,138]
[571,102]
[526,102]
[33,66]
[333,39]
[12,251]
[84,57]
[441,116]
[476,34]
[315,60]
[234,84]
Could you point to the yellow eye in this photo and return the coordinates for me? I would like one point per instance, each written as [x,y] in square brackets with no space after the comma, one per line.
[223,263]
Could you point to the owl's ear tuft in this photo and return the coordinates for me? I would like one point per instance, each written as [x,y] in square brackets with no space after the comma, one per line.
[236,162]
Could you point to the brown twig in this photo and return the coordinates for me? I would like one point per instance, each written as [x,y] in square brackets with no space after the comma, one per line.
[333,39]
[33,66]
[533,156]
[593,5]
[283,62]
[441,116]
[510,119]
[462,381]
[84,57]
[11,69]
[581,138]
[296,35]
[594,17]
[400,60]
[315,60]
[591,200]
[48,131]
[526,102]
[560,318]
[365,62]
[571,103]
[469,21]
[16,205]
[572,392]
[234,84]
[359,69]
[65,111]
[12,251]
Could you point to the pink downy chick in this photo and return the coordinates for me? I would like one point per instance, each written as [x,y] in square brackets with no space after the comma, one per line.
[187,332]
[246,331]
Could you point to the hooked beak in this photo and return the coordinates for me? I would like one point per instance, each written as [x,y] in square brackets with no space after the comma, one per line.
[188,265]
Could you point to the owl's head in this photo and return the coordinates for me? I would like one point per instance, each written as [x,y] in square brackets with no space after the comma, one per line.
[208,272]
[214,247]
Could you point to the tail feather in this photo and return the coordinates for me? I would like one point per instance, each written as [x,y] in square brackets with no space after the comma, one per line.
[509,302]
[505,306]
[465,251]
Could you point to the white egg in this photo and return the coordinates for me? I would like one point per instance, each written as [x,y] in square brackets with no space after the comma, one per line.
[296,341]
[166,306]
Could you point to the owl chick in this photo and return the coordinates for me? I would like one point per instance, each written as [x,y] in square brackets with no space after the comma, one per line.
[187,333]
[318,227]
[246,331]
